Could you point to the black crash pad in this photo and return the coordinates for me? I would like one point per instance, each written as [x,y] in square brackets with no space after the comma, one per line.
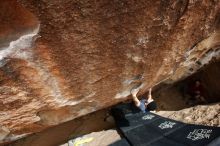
[150,129]
[121,142]
[195,135]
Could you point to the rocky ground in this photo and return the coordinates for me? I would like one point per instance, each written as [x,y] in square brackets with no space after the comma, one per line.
[201,114]
[102,138]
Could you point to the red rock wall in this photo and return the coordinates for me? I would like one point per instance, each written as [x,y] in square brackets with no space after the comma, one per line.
[92,53]
[15,21]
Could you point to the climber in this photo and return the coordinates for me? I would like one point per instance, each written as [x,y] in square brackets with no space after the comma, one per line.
[144,105]
[197,92]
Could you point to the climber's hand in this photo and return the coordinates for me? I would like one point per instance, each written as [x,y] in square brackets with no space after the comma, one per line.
[134,92]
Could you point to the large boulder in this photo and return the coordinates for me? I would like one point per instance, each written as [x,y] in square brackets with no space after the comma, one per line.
[88,55]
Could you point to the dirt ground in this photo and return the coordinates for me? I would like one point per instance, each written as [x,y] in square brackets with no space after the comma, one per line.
[102,138]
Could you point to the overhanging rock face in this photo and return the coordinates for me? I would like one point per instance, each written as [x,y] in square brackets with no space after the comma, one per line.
[89,54]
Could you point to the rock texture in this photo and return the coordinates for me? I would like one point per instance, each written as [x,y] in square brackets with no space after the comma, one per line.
[15,21]
[90,54]
[61,133]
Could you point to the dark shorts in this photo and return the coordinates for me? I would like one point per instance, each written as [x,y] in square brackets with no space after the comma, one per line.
[152,106]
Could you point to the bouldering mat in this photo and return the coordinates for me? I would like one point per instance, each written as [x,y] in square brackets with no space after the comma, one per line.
[143,129]
[121,142]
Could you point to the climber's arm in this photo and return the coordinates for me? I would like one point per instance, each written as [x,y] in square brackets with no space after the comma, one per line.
[149,94]
[136,101]
[134,97]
